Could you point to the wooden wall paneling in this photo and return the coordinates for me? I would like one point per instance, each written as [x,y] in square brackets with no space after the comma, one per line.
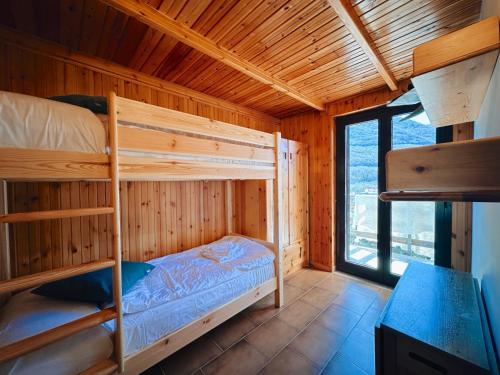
[158,218]
[316,130]
[461,220]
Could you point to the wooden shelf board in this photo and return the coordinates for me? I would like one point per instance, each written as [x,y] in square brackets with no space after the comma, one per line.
[54,214]
[449,196]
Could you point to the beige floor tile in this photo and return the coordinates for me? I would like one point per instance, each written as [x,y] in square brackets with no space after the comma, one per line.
[369,319]
[192,357]
[320,298]
[299,314]
[317,343]
[241,359]
[290,362]
[359,348]
[340,365]
[272,336]
[232,330]
[307,278]
[292,293]
[338,319]
[334,284]
[354,301]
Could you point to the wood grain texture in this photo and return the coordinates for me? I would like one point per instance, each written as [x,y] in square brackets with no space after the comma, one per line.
[45,338]
[316,130]
[461,216]
[180,31]
[29,281]
[300,42]
[463,166]
[351,20]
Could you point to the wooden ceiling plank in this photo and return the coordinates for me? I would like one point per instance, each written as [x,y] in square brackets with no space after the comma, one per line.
[94,14]
[288,27]
[212,15]
[272,25]
[232,18]
[165,24]
[254,19]
[42,47]
[316,60]
[316,34]
[351,20]
[298,53]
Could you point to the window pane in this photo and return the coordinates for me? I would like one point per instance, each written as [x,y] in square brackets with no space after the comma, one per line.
[412,223]
[362,193]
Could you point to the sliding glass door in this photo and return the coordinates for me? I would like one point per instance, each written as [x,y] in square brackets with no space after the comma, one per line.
[375,239]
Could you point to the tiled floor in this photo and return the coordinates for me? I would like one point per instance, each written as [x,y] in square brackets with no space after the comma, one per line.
[326,326]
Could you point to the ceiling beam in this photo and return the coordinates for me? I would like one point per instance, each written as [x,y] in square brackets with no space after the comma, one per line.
[162,23]
[353,23]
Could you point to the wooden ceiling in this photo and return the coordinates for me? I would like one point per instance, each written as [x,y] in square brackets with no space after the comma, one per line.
[302,43]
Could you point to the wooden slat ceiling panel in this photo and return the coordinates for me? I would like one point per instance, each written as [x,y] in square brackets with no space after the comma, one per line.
[301,42]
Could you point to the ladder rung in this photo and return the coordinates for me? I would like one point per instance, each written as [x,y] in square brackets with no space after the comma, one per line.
[40,340]
[54,214]
[24,282]
[106,367]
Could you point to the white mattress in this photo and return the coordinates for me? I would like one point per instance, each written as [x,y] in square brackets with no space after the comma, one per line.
[193,285]
[27,314]
[36,123]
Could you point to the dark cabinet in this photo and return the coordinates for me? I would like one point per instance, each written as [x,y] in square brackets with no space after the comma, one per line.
[434,323]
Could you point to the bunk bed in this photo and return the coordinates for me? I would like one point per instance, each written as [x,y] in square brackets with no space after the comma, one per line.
[147,142]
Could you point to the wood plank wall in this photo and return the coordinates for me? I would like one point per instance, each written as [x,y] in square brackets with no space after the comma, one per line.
[193,212]
[158,218]
[316,130]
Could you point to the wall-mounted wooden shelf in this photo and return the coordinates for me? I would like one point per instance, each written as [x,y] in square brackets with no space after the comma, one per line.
[451,74]
[465,171]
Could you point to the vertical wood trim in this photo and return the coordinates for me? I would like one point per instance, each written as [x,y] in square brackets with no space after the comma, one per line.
[229,207]
[5,273]
[278,248]
[117,254]
[461,217]
[269,211]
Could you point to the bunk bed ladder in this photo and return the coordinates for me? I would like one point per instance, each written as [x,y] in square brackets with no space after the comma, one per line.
[50,336]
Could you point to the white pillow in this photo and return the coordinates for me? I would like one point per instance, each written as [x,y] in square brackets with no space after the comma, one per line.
[36,123]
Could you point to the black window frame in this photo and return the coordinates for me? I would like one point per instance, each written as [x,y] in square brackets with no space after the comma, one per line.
[442,245]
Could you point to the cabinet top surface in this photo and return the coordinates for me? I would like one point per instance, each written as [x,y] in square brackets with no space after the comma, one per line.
[439,307]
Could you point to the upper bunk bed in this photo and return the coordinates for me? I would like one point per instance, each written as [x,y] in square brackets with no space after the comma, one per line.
[146,142]
[154,143]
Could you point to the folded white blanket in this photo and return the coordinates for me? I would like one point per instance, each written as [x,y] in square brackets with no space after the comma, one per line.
[179,275]
[223,252]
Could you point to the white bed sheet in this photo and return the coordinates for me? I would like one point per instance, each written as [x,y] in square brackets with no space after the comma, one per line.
[37,123]
[146,327]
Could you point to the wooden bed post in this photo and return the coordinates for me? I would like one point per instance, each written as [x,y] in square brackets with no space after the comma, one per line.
[229,207]
[117,253]
[278,222]
[5,272]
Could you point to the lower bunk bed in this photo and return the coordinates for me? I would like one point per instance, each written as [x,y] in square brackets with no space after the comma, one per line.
[184,296]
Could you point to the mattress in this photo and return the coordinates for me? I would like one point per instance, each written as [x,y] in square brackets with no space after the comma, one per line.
[27,314]
[182,288]
[36,123]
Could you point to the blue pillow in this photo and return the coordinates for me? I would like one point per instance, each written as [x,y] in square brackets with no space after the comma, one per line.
[95,286]
[97,104]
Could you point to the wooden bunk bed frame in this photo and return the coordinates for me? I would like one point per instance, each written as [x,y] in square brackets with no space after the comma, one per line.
[147,143]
